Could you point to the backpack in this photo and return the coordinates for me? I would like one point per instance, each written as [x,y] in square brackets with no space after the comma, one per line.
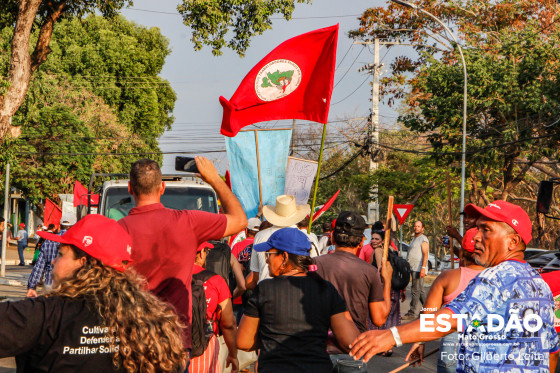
[218,261]
[201,327]
[401,270]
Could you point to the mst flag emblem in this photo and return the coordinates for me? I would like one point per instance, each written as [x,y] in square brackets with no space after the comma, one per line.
[294,81]
[277,79]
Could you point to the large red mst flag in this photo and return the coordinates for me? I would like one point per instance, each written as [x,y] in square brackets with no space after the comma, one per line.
[294,81]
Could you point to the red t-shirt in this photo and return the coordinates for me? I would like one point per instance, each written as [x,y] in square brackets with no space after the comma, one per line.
[242,245]
[217,291]
[164,249]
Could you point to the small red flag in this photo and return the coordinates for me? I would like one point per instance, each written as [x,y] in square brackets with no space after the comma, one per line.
[325,207]
[228,179]
[81,195]
[294,81]
[52,214]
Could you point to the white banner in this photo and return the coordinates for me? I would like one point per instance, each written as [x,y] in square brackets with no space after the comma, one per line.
[68,208]
[299,178]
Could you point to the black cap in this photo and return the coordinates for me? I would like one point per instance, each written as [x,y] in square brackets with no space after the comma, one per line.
[350,223]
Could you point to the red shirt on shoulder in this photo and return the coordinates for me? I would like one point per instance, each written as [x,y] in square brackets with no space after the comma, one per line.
[164,249]
[217,291]
[240,246]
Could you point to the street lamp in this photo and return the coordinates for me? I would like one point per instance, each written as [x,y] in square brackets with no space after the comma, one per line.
[463,152]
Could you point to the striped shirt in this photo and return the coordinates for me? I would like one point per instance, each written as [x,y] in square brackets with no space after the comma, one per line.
[49,251]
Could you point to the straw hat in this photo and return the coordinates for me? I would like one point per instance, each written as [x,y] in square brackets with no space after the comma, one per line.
[285,213]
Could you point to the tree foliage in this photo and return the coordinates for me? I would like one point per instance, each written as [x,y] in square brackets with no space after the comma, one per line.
[27,17]
[513,102]
[110,88]
[212,20]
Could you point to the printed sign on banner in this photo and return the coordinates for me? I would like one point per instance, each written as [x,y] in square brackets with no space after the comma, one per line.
[299,178]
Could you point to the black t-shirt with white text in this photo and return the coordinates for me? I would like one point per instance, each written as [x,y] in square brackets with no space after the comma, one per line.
[55,334]
[294,319]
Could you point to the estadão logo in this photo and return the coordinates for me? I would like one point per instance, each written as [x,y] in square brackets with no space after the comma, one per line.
[494,323]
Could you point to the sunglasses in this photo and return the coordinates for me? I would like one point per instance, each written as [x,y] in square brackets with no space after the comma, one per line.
[268,254]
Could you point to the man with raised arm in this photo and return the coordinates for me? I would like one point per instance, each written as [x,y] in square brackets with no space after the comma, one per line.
[165,240]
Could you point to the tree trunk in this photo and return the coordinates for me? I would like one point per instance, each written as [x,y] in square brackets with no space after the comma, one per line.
[22,64]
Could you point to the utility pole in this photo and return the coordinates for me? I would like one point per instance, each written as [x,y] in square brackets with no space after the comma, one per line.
[373,129]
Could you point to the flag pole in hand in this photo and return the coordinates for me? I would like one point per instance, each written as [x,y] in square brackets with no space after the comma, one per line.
[388,228]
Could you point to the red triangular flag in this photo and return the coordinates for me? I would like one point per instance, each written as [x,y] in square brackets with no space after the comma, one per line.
[294,81]
[81,195]
[52,214]
[325,207]
[228,179]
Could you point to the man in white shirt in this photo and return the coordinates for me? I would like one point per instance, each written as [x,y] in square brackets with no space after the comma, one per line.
[312,237]
[418,260]
[286,214]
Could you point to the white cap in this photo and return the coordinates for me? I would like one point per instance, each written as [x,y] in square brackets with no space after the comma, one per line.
[253,224]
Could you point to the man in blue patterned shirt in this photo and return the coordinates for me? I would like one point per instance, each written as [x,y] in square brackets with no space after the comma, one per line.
[505,315]
[43,266]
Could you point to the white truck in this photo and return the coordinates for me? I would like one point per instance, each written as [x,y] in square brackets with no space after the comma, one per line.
[181,192]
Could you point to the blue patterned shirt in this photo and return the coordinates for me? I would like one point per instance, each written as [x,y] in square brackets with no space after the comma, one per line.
[513,291]
[49,251]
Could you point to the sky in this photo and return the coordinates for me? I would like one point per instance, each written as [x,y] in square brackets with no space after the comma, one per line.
[199,78]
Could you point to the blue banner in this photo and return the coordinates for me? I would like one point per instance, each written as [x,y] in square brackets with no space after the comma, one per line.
[274,147]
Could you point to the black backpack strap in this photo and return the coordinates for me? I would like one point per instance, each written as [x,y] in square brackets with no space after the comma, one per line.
[204,275]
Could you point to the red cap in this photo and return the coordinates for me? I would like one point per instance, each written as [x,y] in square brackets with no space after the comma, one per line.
[22,225]
[204,245]
[100,237]
[506,212]
[468,240]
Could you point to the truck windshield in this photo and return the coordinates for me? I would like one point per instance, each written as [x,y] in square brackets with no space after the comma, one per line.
[118,202]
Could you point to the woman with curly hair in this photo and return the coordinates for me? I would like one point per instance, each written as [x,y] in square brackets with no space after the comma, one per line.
[98,317]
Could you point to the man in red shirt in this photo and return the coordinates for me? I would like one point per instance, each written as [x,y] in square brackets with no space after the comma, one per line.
[166,240]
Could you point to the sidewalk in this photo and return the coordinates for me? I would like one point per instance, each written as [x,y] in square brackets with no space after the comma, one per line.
[16,276]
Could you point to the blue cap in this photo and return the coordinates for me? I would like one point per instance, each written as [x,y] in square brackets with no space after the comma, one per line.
[290,240]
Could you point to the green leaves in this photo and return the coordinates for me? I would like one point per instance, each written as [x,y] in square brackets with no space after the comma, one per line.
[98,92]
[212,20]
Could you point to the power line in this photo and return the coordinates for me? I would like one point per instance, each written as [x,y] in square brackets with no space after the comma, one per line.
[349,67]
[345,54]
[274,18]
[338,102]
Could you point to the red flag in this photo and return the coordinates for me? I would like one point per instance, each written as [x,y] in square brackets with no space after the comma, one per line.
[81,195]
[325,207]
[52,214]
[294,81]
[228,179]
